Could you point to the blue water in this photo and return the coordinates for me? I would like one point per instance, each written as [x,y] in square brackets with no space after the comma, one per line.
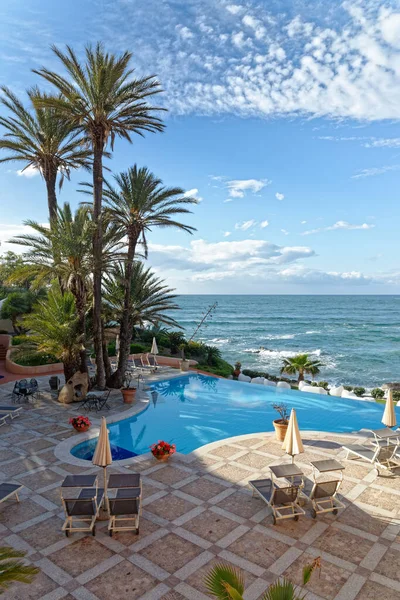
[194,410]
[356,337]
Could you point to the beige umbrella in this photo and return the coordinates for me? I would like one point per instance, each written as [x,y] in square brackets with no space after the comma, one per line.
[102,455]
[389,415]
[154,349]
[292,443]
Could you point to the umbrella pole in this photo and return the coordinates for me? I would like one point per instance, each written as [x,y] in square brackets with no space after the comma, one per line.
[106,504]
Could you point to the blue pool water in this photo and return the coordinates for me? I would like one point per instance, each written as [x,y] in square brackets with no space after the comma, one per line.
[194,410]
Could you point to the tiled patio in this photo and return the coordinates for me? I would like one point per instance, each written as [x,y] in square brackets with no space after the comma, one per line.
[197,510]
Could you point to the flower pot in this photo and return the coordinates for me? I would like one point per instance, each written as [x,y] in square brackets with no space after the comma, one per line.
[162,457]
[236,373]
[128,395]
[184,365]
[280,429]
[81,429]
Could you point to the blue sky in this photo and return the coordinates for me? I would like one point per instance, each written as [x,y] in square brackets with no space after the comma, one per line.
[283,119]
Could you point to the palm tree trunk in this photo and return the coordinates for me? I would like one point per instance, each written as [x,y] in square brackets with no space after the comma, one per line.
[125,332]
[51,179]
[70,368]
[98,147]
[80,301]
[106,358]
[301,376]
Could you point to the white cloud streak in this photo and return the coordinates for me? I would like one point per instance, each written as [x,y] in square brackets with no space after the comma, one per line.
[339,225]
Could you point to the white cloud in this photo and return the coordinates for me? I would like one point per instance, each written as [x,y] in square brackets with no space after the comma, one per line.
[245,225]
[227,233]
[375,171]
[303,222]
[28,172]
[339,225]
[234,9]
[384,143]
[184,32]
[238,187]
[279,196]
[194,193]
[264,224]
[284,231]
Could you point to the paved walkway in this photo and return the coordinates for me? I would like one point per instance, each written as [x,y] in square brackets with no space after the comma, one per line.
[197,511]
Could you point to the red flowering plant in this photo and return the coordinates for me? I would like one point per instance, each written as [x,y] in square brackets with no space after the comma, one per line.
[162,449]
[80,422]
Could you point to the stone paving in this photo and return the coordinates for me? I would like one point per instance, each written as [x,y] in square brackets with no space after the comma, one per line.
[197,511]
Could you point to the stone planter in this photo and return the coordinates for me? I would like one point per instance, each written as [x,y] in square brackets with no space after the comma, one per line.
[280,429]
[184,365]
[128,395]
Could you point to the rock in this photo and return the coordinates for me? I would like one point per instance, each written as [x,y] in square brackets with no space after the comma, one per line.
[75,389]
[284,385]
[258,380]
[242,377]
[302,384]
[346,394]
[313,389]
[269,382]
[337,391]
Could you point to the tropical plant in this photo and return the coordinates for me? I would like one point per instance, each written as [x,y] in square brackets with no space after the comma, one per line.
[13,569]
[138,203]
[103,100]
[283,412]
[53,326]
[9,263]
[301,364]
[15,306]
[175,339]
[42,139]
[359,391]
[149,301]
[227,583]
[377,393]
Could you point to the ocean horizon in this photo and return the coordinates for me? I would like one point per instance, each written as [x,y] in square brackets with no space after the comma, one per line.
[355,336]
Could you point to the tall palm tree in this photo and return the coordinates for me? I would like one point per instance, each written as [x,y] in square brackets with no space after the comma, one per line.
[42,139]
[301,364]
[13,569]
[65,252]
[137,204]
[102,99]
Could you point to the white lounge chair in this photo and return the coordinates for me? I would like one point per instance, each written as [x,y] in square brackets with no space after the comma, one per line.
[10,411]
[380,456]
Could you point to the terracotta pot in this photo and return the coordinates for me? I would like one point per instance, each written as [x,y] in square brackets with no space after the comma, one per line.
[236,372]
[184,365]
[128,395]
[81,429]
[280,429]
[162,457]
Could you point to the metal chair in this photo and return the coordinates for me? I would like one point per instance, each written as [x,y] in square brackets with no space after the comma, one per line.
[323,498]
[283,501]
[81,510]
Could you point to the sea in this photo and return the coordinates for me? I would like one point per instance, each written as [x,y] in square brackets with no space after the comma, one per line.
[356,338]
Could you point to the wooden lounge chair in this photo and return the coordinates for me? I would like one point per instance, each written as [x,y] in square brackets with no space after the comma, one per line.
[283,501]
[10,411]
[125,507]
[380,456]
[81,510]
[9,489]
[152,362]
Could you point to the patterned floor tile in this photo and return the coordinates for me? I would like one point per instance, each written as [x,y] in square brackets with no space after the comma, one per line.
[80,556]
[389,565]
[258,548]
[170,507]
[210,526]
[203,488]
[344,545]
[326,584]
[124,581]
[242,505]
[169,475]
[373,591]
[172,553]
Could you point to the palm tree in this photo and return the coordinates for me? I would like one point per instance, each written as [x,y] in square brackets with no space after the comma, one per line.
[12,569]
[227,583]
[54,329]
[138,203]
[102,99]
[301,364]
[42,139]
[149,301]
[65,252]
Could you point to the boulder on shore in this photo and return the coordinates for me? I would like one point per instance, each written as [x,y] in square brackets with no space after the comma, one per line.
[242,377]
[283,384]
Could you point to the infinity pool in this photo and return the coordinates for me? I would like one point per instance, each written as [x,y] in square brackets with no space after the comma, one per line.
[194,410]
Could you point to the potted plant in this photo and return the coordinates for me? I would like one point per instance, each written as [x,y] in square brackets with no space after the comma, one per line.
[237,369]
[281,424]
[162,450]
[184,363]
[128,392]
[80,423]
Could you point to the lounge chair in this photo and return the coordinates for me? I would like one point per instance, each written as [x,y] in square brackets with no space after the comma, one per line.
[283,501]
[82,510]
[323,497]
[125,507]
[380,456]
[10,411]
[9,489]
[152,362]
[385,435]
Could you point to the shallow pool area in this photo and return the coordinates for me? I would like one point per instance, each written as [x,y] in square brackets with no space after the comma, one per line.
[193,410]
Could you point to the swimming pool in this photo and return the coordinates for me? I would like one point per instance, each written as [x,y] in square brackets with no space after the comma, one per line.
[193,410]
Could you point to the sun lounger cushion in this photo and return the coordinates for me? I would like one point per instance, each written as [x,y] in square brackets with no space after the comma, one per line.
[126,502]
[7,489]
[361,451]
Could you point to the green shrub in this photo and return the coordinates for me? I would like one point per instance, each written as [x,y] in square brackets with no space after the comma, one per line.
[252,373]
[139,348]
[377,393]
[221,368]
[323,384]
[349,388]
[359,391]
[314,384]
[396,395]
[18,339]
[34,359]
